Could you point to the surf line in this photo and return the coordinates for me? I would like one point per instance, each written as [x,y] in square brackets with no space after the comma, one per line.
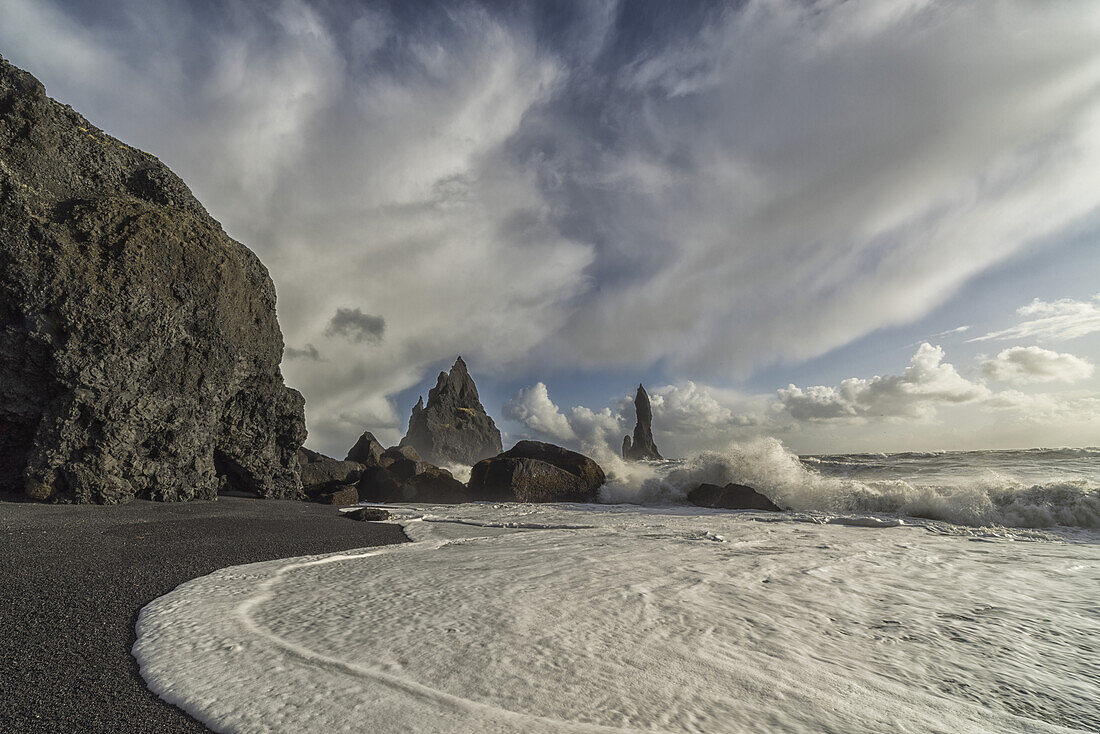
[446,701]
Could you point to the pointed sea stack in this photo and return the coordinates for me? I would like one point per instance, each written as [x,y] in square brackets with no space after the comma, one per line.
[139,350]
[642,447]
[453,428]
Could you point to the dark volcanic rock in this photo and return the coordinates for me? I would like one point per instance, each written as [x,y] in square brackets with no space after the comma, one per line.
[139,350]
[347,494]
[642,447]
[321,474]
[453,428]
[399,474]
[396,454]
[730,497]
[368,513]
[367,451]
[532,471]
[397,484]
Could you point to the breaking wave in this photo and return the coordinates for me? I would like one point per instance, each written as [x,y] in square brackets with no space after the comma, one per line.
[966,488]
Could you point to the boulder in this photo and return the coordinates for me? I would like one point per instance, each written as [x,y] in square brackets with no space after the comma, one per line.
[366,451]
[139,348]
[395,484]
[322,474]
[396,454]
[730,497]
[372,514]
[533,471]
[347,494]
[453,428]
[400,474]
[642,447]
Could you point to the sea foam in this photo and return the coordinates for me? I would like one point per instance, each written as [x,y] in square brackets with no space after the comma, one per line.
[582,618]
[969,488]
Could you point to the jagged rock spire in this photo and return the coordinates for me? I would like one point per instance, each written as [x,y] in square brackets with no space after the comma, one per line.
[642,447]
[453,427]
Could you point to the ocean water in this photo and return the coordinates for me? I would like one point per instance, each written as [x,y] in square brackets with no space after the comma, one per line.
[1032,488]
[930,593]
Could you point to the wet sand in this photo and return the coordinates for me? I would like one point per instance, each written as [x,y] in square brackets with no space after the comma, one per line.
[74,578]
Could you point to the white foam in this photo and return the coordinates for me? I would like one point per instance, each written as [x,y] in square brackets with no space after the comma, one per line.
[980,495]
[629,618]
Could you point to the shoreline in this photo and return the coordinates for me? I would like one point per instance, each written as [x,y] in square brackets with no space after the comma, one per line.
[76,576]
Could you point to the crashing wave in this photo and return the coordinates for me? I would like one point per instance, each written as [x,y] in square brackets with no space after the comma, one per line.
[989,497]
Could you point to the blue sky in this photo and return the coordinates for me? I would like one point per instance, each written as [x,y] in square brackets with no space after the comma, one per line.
[763,210]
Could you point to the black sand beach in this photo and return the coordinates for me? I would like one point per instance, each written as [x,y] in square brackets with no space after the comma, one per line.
[75,576]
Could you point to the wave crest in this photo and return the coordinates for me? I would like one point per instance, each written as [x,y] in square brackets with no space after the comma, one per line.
[769,467]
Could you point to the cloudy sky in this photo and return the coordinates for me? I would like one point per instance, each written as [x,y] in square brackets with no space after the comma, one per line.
[850,224]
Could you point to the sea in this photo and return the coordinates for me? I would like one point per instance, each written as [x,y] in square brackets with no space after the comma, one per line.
[910,592]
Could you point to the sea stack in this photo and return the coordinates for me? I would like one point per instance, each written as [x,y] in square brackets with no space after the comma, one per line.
[139,350]
[642,446]
[453,427]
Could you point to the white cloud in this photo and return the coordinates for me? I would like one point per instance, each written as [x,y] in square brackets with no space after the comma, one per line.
[532,407]
[859,414]
[581,427]
[686,417]
[779,186]
[688,406]
[927,383]
[1047,409]
[1052,321]
[367,183]
[597,427]
[1024,365]
[751,186]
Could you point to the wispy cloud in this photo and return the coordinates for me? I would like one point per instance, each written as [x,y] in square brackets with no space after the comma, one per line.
[950,332]
[1052,321]
[701,190]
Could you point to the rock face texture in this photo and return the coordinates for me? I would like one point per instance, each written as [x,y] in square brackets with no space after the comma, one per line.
[327,480]
[532,471]
[730,497]
[366,451]
[399,474]
[642,447]
[139,350]
[453,428]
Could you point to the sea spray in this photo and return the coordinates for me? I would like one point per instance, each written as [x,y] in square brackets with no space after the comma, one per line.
[966,489]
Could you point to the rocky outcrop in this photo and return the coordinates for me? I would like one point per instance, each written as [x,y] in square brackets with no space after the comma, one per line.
[532,471]
[453,427]
[730,497]
[367,450]
[139,349]
[327,480]
[399,474]
[346,494]
[642,447]
[367,514]
[433,485]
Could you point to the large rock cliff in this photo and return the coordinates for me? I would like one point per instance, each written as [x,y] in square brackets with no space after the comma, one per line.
[453,428]
[139,350]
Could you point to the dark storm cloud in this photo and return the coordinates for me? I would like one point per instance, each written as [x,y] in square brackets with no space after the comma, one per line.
[308,352]
[355,325]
